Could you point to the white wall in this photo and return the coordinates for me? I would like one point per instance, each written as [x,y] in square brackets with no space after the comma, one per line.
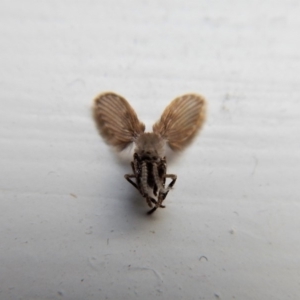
[72,228]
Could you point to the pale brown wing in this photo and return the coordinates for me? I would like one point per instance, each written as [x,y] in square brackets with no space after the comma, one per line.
[116,120]
[181,120]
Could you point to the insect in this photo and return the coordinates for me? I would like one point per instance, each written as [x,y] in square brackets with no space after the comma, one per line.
[120,127]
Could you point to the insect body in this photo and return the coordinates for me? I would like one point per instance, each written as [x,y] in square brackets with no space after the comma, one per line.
[119,126]
[150,178]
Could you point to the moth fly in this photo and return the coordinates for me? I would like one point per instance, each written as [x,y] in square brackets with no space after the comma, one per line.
[119,126]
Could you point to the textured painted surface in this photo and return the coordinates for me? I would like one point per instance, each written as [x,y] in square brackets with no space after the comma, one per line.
[72,228]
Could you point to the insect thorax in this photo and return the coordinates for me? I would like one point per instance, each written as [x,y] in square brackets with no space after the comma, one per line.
[150,146]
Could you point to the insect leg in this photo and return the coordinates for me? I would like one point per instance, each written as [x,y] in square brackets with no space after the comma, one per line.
[134,175]
[128,176]
[149,201]
[133,168]
[162,196]
[153,200]
[173,177]
[152,210]
[157,180]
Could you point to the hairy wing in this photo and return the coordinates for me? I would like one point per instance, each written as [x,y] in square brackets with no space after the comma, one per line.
[116,120]
[181,120]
